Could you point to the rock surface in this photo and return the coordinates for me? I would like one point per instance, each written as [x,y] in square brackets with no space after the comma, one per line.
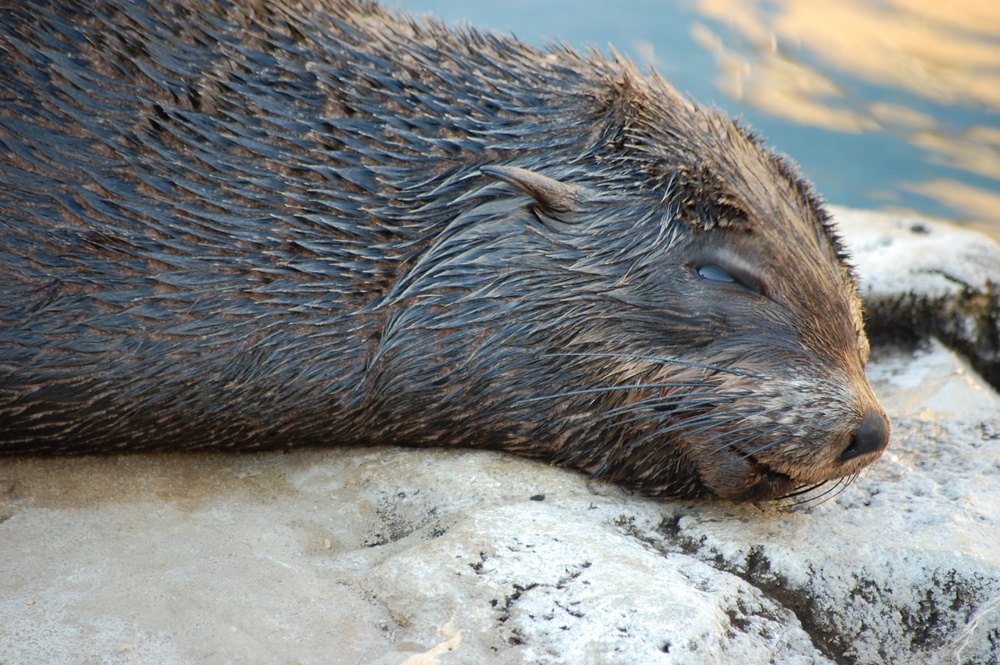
[925,277]
[392,556]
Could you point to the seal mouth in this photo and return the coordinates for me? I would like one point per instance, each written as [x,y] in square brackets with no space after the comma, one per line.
[738,476]
[768,484]
[784,473]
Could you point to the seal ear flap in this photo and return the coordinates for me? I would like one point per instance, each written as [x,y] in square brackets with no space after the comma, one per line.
[552,195]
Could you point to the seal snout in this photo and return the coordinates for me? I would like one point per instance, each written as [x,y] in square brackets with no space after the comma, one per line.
[870,436]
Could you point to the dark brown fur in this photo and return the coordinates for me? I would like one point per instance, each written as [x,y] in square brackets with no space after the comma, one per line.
[271,224]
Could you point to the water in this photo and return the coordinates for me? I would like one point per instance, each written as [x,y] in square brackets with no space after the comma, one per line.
[887,104]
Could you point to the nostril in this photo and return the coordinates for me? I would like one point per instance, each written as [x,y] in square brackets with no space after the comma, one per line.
[871,436]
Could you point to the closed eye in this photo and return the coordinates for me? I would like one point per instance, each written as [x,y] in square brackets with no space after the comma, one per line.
[735,275]
[715,273]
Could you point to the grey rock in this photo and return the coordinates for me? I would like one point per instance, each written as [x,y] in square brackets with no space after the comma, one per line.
[922,277]
[533,583]
[373,556]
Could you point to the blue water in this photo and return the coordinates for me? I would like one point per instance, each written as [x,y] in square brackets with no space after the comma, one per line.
[925,137]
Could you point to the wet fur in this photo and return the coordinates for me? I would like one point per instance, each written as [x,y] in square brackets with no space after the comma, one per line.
[264,224]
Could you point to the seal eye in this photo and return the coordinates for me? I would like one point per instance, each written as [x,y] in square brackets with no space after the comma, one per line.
[715,273]
[734,275]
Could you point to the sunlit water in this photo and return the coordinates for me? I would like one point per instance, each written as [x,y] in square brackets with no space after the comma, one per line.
[889,104]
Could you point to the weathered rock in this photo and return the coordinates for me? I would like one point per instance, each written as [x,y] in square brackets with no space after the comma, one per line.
[369,556]
[924,277]
[532,583]
[393,556]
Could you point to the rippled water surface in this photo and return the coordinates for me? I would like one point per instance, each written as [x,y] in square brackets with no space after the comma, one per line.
[891,104]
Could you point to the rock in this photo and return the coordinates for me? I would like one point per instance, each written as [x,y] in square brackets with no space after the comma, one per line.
[345,556]
[924,277]
[534,583]
[391,556]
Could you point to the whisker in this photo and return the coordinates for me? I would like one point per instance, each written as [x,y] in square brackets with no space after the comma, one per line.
[767,446]
[713,419]
[724,417]
[681,422]
[607,389]
[835,487]
[671,361]
[801,494]
[752,432]
[683,399]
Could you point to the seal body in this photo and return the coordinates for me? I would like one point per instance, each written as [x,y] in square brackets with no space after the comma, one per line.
[245,225]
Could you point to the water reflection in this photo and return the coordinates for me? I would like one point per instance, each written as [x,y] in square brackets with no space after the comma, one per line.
[921,53]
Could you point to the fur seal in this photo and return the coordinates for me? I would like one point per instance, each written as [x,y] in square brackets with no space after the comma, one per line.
[245,225]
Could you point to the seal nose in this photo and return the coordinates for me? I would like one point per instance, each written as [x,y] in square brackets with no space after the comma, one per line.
[871,436]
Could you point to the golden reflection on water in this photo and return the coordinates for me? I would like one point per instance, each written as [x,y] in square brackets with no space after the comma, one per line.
[947,52]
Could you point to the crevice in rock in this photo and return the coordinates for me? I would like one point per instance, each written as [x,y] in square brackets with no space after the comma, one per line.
[505,607]
[755,569]
[968,323]
[627,526]
[396,525]
[949,602]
